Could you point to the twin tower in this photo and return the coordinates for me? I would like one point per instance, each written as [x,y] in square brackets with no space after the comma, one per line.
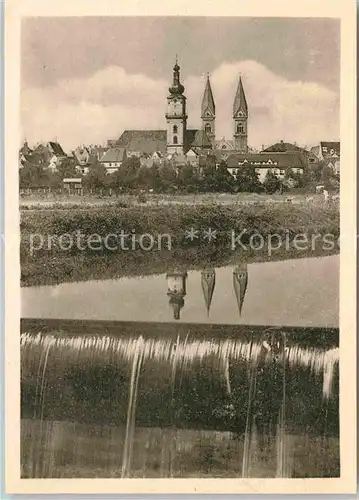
[180,140]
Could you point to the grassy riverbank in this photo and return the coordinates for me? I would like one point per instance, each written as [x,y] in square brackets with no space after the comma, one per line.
[51,251]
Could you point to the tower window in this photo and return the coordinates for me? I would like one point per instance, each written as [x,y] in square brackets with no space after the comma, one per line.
[240,128]
[175,129]
[175,140]
[207,128]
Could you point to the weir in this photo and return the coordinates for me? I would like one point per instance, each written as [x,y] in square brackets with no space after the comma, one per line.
[259,386]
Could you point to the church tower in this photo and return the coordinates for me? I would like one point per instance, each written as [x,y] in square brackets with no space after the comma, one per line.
[240,118]
[208,113]
[176,115]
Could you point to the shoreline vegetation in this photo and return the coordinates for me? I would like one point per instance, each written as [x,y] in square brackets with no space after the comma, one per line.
[52,264]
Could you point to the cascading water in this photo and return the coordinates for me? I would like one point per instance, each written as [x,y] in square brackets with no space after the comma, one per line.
[221,385]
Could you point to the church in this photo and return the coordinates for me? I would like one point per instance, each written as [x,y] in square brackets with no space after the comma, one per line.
[178,140]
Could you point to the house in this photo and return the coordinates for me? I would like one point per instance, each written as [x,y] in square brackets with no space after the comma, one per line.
[84,158]
[277,163]
[334,165]
[97,151]
[146,160]
[73,185]
[24,153]
[81,155]
[52,153]
[287,147]
[157,157]
[113,159]
[192,157]
[329,152]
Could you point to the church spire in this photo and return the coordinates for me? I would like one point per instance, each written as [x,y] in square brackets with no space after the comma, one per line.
[240,102]
[208,113]
[177,88]
[240,119]
[208,101]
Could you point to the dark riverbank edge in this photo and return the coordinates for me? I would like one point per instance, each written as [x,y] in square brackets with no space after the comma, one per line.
[318,337]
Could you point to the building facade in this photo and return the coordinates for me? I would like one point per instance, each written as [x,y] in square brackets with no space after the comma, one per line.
[278,163]
[177,139]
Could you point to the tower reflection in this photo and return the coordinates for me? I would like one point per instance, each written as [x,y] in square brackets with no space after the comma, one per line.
[240,283]
[208,282]
[176,291]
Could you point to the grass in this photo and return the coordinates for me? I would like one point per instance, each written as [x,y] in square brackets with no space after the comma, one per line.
[51,264]
[87,202]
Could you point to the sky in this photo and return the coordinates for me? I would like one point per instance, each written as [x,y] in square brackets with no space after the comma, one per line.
[87,79]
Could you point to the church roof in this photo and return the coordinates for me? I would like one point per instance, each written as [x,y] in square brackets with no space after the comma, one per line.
[150,141]
[240,103]
[208,101]
[197,139]
[143,141]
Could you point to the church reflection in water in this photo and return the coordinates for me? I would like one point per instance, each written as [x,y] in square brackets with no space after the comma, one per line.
[177,281]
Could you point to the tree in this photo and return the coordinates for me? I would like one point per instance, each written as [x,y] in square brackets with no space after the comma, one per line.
[33,176]
[315,171]
[224,180]
[155,178]
[209,180]
[127,174]
[168,177]
[96,177]
[67,168]
[247,180]
[144,178]
[271,183]
[188,179]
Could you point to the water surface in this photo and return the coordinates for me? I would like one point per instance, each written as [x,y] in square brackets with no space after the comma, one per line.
[71,450]
[299,292]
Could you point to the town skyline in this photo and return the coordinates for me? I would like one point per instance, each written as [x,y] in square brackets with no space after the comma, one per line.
[292,94]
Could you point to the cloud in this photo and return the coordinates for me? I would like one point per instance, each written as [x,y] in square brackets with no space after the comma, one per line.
[92,110]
